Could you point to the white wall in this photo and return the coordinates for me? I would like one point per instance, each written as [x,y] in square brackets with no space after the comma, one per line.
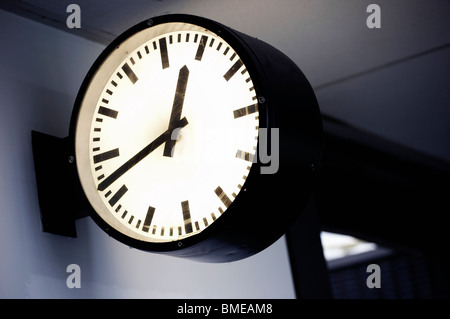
[41,71]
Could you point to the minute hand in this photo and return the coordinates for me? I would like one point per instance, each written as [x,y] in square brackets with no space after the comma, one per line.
[164,137]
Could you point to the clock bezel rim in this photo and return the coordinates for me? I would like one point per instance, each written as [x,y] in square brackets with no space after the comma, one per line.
[248,58]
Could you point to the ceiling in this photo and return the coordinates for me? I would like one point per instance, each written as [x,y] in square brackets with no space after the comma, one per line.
[328,39]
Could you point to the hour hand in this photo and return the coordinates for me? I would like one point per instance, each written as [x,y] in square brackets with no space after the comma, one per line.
[177,108]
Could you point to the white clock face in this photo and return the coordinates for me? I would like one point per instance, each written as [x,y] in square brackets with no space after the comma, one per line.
[167,132]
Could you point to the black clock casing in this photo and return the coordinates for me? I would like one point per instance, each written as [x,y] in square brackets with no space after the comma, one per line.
[268,203]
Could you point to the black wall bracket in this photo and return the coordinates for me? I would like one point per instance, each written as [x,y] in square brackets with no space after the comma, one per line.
[59,191]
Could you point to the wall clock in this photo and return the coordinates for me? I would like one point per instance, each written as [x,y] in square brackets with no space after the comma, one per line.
[168,132]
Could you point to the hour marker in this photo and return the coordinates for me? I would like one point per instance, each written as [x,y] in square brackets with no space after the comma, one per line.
[245,111]
[107,112]
[222,196]
[106,155]
[164,54]
[118,195]
[129,72]
[233,70]
[148,219]
[246,156]
[186,217]
[201,48]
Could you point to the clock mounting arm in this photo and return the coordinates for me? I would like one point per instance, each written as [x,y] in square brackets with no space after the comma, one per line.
[60,195]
